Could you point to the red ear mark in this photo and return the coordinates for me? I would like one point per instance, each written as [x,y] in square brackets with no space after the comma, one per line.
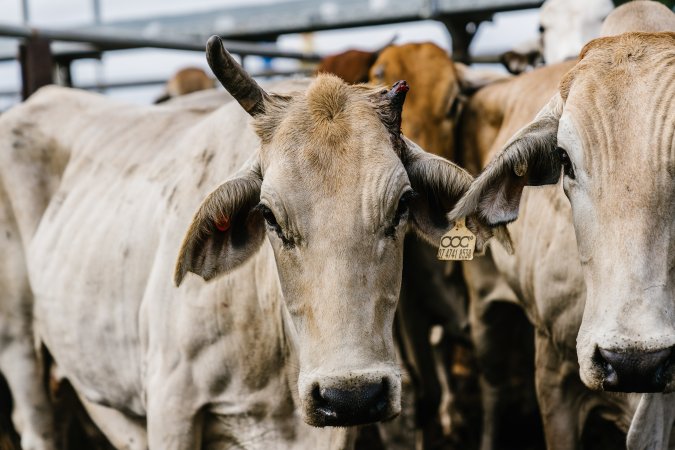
[223,223]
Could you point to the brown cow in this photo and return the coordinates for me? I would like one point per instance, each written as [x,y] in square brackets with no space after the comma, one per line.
[353,66]
[186,81]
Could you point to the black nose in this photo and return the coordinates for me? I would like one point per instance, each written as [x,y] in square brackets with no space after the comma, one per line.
[351,405]
[635,372]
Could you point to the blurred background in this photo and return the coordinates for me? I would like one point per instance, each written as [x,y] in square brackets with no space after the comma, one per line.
[195,20]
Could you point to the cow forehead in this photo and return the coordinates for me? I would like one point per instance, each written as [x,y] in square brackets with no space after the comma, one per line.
[331,134]
[619,99]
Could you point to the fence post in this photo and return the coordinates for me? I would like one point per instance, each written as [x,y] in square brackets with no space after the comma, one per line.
[37,65]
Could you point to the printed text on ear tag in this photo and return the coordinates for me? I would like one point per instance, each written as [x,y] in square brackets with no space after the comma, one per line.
[457,244]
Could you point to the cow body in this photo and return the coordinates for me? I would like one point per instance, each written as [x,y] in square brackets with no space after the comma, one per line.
[154,337]
[269,347]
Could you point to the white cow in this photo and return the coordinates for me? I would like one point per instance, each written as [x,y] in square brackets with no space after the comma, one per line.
[564,27]
[304,243]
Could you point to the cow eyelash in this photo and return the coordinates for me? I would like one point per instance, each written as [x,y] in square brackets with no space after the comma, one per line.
[566,163]
[401,211]
[273,225]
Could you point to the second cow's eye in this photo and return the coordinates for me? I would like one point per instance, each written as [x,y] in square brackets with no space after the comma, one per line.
[566,163]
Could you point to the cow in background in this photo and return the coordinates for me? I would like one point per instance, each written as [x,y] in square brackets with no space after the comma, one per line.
[186,81]
[565,26]
[353,66]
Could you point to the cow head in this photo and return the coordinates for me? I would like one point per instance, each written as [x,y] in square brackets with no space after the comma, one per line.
[609,132]
[334,187]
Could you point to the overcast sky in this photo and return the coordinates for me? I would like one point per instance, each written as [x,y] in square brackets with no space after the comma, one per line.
[506,31]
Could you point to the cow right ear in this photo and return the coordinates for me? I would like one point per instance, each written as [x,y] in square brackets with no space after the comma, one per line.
[226,230]
[529,159]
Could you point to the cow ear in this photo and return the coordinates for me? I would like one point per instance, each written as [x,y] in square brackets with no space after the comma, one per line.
[439,184]
[529,159]
[226,230]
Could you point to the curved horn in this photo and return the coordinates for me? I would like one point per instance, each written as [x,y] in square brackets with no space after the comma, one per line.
[234,78]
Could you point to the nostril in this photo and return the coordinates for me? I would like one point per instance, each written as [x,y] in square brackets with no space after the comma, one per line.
[611,378]
[351,404]
[634,371]
[316,393]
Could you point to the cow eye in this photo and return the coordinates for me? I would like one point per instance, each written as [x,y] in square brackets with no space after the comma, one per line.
[273,225]
[566,163]
[542,29]
[401,213]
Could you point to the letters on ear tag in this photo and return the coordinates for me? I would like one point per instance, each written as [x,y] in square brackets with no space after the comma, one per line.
[457,244]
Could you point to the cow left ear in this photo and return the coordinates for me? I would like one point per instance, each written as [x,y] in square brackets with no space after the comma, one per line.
[528,159]
[439,184]
[226,230]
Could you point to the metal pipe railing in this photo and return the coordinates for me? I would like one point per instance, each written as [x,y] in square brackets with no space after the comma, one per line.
[114,41]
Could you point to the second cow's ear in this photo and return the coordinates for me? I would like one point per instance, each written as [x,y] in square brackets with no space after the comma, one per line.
[439,184]
[226,230]
[529,159]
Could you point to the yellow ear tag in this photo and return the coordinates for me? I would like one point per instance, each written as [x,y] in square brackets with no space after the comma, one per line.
[457,244]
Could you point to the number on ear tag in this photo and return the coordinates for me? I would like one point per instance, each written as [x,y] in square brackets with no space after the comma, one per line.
[457,244]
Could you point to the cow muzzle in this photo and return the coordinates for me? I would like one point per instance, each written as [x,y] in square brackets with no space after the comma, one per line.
[355,399]
[626,371]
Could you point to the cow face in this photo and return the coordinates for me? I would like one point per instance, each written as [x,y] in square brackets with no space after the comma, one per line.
[334,188]
[610,133]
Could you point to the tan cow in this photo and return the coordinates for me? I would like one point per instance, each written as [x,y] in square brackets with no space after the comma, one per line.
[608,130]
[186,81]
[638,15]
[304,243]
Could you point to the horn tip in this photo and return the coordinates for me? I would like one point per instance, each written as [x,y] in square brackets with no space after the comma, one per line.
[214,40]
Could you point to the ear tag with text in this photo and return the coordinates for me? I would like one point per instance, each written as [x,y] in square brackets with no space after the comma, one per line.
[457,244]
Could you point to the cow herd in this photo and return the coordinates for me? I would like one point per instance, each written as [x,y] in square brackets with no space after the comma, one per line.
[258,269]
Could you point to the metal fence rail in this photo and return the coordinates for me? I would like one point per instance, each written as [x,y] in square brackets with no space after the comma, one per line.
[249,23]
[116,41]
